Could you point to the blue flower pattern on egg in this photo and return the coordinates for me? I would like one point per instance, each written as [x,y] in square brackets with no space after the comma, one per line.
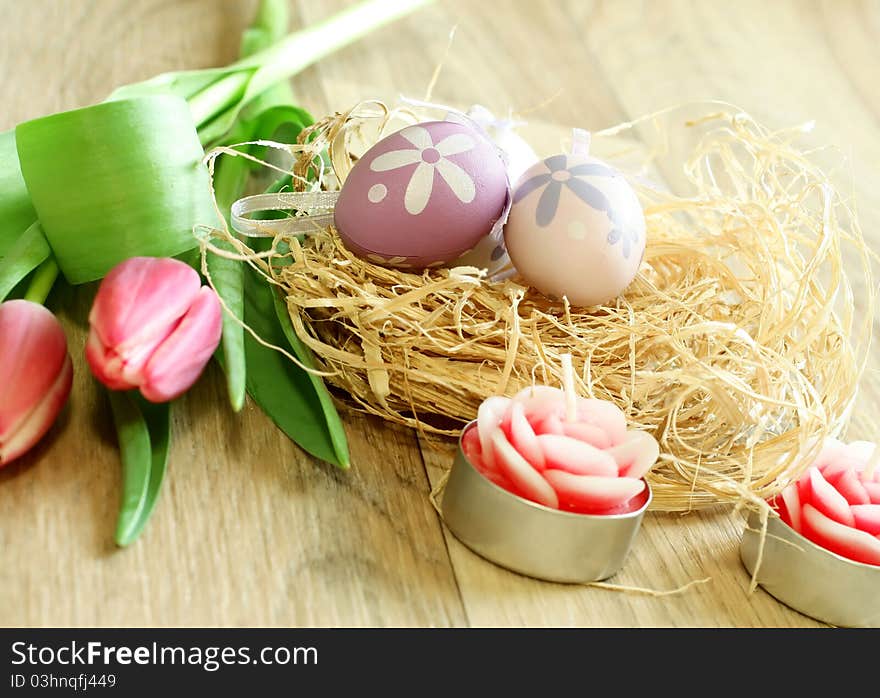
[559,176]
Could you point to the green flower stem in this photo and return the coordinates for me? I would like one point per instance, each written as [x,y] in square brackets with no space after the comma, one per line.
[220,107]
[217,96]
[42,281]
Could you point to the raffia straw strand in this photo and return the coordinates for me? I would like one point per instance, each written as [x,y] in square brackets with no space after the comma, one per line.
[647,591]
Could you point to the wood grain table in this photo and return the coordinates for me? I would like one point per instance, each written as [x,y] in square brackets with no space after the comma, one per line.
[251,531]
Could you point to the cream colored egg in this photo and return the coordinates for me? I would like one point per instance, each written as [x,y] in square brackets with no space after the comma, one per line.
[576,229]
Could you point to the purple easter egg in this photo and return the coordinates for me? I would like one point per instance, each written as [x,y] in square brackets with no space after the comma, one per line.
[422,196]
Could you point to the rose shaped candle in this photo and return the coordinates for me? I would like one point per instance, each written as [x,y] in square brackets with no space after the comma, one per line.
[821,555]
[550,484]
[563,451]
[836,502]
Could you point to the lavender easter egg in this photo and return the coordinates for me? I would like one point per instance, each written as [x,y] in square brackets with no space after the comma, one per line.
[422,196]
[576,229]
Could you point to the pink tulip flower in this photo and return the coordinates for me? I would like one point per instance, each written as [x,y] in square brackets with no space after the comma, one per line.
[35,375]
[153,327]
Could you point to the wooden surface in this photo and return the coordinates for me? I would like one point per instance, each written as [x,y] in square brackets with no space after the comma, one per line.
[249,530]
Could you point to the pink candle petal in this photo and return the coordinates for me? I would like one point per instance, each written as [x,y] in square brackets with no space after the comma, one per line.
[541,401]
[778,505]
[873,490]
[605,415]
[831,453]
[636,455]
[520,472]
[629,506]
[573,456]
[791,499]
[828,500]
[849,485]
[586,492]
[588,433]
[523,438]
[488,421]
[805,489]
[838,538]
[865,476]
[867,517]
[470,444]
[549,425]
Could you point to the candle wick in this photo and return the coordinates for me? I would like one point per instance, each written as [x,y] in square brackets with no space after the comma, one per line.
[568,387]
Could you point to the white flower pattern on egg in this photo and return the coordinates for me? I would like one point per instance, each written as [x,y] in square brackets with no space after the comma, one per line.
[393,261]
[430,158]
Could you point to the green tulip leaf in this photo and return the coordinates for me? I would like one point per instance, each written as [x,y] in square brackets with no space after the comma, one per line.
[16,212]
[27,253]
[227,279]
[144,432]
[294,399]
[116,180]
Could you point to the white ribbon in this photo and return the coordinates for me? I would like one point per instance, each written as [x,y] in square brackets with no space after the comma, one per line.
[580,141]
[313,211]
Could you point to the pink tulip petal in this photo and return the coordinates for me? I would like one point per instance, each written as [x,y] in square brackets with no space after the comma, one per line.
[523,438]
[828,500]
[138,304]
[37,422]
[33,350]
[588,433]
[573,456]
[792,500]
[181,358]
[489,417]
[104,365]
[519,471]
[838,538]
[867,517]
[636,455]
[589,492]
[141,300]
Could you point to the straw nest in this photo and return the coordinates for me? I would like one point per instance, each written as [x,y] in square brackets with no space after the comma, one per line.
[737,345]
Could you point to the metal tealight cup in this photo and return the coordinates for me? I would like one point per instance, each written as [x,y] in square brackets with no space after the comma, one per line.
[532,539]
[811,579]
